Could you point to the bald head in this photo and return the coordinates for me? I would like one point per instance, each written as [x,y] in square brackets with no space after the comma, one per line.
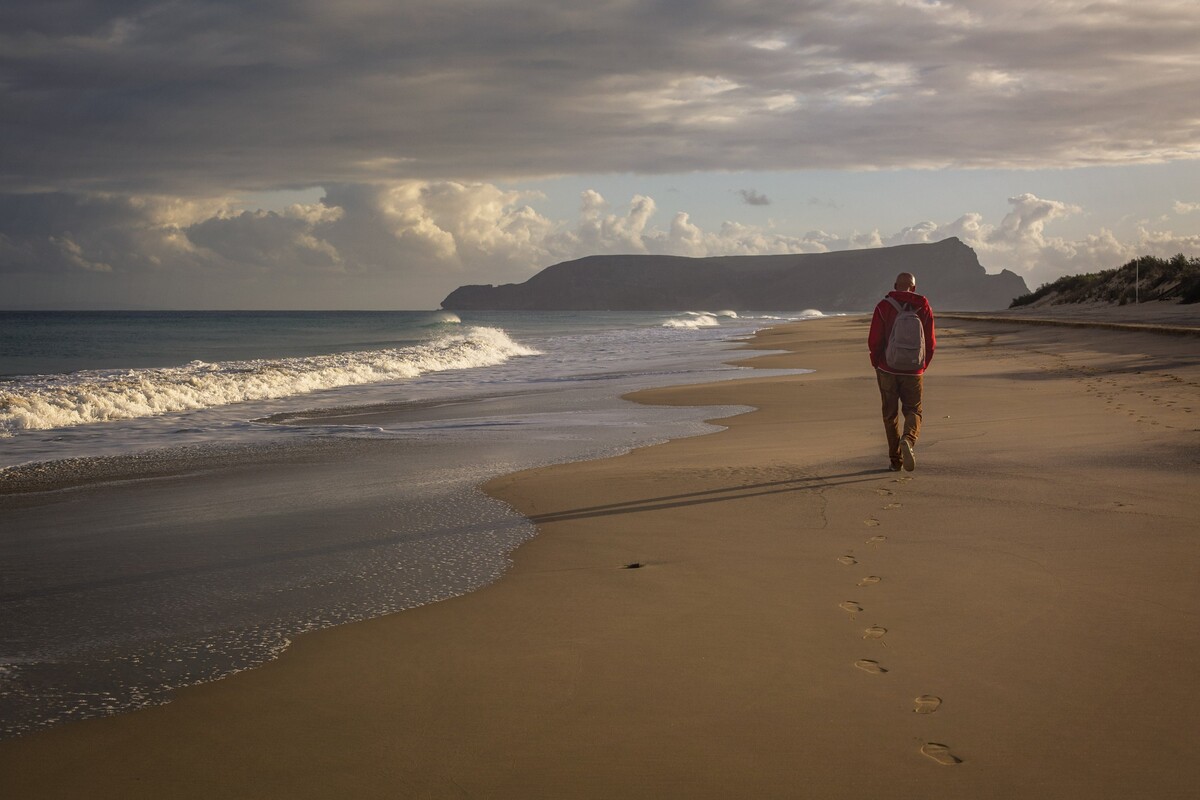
[906,282]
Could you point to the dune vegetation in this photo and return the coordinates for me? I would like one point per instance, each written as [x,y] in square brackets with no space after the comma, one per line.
[1141,279]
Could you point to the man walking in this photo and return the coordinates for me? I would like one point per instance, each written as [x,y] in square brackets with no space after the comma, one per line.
[901,342]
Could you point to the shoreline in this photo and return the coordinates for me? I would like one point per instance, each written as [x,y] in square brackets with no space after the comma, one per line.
[729,662]
[183,566]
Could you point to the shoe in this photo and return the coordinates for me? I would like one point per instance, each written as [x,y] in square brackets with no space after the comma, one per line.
[895,467]
[906,453]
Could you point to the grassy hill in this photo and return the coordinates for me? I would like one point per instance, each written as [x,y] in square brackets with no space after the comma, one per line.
[1176,279]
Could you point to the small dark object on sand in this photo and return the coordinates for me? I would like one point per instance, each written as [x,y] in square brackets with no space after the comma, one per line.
[634,565]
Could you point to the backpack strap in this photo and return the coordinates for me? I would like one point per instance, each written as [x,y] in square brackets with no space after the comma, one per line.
[898,306]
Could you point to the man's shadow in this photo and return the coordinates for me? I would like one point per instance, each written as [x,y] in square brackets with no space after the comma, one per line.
[802,484]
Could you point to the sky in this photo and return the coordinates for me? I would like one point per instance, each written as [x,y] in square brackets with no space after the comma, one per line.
[380,153]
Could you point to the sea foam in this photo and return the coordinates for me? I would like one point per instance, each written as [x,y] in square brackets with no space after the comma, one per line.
[693,319]
[78,398]
[446,318]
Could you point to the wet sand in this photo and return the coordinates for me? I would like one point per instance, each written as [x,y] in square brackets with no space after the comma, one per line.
[767,611]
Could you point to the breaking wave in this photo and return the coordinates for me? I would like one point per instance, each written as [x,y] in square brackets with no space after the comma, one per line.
[693,319]
[78,398]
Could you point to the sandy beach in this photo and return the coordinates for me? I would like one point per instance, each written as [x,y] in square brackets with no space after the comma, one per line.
[1017,618]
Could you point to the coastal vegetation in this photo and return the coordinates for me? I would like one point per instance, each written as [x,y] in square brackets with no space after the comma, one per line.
[1141,279]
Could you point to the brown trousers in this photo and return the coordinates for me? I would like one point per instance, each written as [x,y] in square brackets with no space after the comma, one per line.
[900,393]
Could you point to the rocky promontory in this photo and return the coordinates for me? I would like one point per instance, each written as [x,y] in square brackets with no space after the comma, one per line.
[948,272]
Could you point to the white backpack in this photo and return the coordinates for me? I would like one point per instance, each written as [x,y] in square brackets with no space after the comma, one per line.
[906,340]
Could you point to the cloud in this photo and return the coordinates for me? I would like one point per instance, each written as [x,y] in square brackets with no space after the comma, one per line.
[60,233]
[270,240]
[753,198]
[153,97]
[394,246]
[1022,243]
[135,129]
[600,231]
[409,243]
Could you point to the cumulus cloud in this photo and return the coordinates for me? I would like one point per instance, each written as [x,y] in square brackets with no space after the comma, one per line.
[409,243]
[600,230]
[270,240]
[1021,242]
[57,232]
[397,245]
[207,98]
[1186,208]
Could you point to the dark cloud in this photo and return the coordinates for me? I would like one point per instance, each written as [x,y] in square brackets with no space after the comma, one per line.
[130,128]
[208,97]
[752,197]
[398,245]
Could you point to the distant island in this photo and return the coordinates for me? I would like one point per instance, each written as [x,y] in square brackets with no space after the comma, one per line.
[948,272]
[1142,279]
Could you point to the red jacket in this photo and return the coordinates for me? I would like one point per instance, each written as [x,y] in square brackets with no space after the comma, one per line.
[881,323]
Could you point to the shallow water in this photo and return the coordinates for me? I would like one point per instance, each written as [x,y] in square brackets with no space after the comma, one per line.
[200,542]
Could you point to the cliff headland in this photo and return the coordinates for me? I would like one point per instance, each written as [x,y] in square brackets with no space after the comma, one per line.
[850,280]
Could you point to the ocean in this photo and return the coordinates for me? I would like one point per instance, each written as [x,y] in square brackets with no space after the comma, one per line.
[182,493]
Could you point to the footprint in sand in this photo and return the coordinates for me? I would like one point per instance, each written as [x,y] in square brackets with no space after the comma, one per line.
[926,704]
[850,606]
[891,506]
[884,492]
[940,753]
[870,580]
[877,540]
[871,522]
[874,632]
[848,560]
[868,665]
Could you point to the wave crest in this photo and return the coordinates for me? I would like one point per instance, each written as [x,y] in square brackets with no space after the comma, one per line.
[693,320]
[38,403]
